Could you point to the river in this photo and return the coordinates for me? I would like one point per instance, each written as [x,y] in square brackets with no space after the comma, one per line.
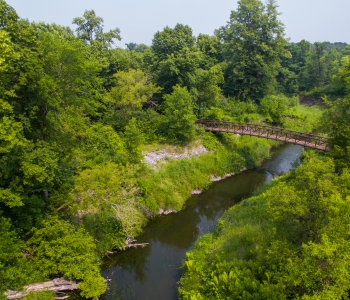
[152,272]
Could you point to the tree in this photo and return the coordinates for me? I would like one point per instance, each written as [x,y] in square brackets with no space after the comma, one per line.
[211,47]
[274,107]
[205,85]
[178,109]
[111,190]
[254,44]
[130,90]
[337,119]
[11,249]
[90,29]
[174,58]
[178,69]
[101,143]
[289,77]
[58,248]
[134,140]
[170,41]
[136,47]
[314,71]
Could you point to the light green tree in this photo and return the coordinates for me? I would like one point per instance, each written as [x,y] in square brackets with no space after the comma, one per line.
[180,119]
[112,190]
[134,139]
[131,89]
[58,248]
[274,107]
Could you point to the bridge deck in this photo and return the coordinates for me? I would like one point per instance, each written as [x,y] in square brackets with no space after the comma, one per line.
[268,132]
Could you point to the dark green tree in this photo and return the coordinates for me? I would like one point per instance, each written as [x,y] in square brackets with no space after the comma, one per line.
[90,29]
[254,44]
[173,58]
[172,40]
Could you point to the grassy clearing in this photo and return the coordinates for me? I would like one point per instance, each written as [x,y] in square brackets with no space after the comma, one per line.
[303,118]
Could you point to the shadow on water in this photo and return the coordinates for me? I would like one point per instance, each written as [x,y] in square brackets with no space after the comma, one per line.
[152,272]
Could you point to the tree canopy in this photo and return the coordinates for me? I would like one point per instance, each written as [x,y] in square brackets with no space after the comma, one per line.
[77,116]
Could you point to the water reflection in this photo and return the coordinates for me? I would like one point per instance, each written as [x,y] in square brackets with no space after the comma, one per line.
[152,272]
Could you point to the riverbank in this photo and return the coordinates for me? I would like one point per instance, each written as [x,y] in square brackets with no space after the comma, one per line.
[172,183]
[152,272]
[280,244]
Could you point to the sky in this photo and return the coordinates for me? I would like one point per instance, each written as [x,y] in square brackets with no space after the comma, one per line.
[139,20]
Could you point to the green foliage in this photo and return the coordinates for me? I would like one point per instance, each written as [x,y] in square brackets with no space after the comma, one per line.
[205,86]
[11,248]
[12,142]
[101,144]
[106,230]
[336,119]
[254,150]
[134,140]
[342,78]
[39,165]
[303,118]
[290,242]
[11,132]
[170,40]
[254,42]
[177,69]
[210,141]
[75,113]
[274,107]
[58,248]
[211,47]
[131,89]
[178,109]
[173,58]
[337,124]
[239,110]
[90,29]
[8,55]
[214,113]
[45,295]
[172,184]
[112,190]
[149,122]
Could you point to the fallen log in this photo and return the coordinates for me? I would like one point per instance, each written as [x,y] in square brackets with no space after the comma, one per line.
[136,245]
[129,244]
[56,285]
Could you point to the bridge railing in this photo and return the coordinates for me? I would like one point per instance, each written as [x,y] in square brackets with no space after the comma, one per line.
[269,132]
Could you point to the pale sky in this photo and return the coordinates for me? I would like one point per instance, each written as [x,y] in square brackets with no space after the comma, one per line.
[139,20]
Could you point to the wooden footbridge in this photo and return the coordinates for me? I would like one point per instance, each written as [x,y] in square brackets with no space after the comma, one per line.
[268,132]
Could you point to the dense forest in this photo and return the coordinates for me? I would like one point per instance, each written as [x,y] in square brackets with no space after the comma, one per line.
[77,116]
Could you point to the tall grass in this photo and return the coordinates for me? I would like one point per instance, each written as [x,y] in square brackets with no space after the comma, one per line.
[171,185]
[303,118]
